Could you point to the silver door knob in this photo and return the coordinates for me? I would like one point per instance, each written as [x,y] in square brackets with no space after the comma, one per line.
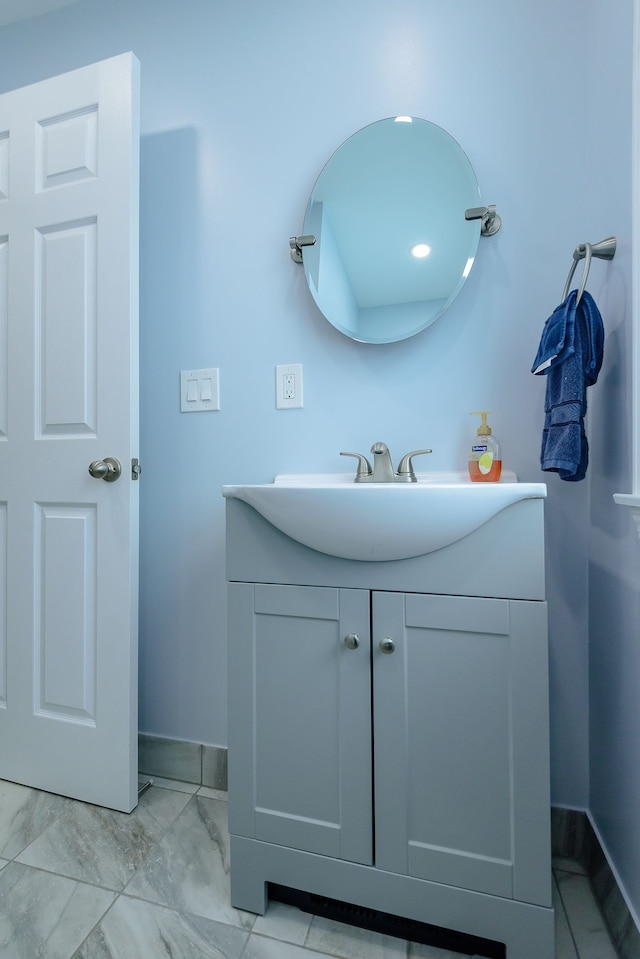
[387,646]
[352,641]
[108,469]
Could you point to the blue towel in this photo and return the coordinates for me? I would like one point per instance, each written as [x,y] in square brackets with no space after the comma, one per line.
[570,355]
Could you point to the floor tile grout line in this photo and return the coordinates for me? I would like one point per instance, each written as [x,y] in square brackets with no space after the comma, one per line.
[143,862]
[601,914]
[95,927]
[44,828]
[308,932]
[245,947]
[96,884]
[305,945]
[183,913]
[566,911]
[316,952]
[61,875]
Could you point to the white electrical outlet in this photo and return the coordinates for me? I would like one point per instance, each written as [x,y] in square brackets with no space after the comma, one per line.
[289,386]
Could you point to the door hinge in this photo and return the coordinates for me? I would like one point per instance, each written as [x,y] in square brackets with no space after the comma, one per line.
[136,469]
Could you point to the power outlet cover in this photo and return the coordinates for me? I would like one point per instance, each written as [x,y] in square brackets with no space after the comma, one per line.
[289,386]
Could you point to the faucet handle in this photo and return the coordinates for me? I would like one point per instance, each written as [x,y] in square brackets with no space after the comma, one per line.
[364,466]
[405,472]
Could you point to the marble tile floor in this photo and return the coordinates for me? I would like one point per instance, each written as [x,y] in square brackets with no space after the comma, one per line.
[81,882]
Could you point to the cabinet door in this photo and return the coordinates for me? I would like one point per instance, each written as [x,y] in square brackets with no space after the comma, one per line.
[461,742]
[300,718]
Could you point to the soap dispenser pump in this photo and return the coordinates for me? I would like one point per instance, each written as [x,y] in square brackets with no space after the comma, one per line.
[485,457]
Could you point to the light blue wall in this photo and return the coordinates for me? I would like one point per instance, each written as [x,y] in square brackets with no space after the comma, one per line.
[242,103]
[614,550]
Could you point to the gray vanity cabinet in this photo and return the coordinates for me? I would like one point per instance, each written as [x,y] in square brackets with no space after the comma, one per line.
[450,725]
[405,770]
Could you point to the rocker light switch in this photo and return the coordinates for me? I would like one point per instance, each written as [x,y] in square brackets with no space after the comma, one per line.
[199,390]
[192,390]
[205,389]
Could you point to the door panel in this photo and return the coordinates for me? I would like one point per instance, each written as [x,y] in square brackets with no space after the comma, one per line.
[300,737]
[65,661]
[69,151]
[455,692]
[66,335]
[3,606]
[4,327]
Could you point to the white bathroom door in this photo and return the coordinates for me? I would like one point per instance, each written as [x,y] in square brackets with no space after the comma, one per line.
[69,157]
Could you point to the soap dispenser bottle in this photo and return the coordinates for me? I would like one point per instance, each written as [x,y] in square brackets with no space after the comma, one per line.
[485,458]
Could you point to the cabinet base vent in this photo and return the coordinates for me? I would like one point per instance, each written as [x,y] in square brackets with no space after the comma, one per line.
[387,924]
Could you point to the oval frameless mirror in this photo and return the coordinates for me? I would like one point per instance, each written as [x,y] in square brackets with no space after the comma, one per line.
[393,247]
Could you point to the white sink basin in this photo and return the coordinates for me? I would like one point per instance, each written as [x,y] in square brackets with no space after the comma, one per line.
[381,521]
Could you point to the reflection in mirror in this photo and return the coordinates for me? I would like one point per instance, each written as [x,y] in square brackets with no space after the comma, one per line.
[392,247]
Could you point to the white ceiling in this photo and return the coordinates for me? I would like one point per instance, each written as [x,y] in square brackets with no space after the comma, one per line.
[13,10]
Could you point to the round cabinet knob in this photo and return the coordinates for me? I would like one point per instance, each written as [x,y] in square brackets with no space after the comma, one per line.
[352,641]
[387,646]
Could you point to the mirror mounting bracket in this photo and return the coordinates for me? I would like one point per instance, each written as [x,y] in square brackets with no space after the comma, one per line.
[491,221]
[296,244]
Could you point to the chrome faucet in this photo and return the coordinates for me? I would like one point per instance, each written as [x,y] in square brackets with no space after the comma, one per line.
[382,471]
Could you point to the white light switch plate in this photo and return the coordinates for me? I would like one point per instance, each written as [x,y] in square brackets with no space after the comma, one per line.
[199,390]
